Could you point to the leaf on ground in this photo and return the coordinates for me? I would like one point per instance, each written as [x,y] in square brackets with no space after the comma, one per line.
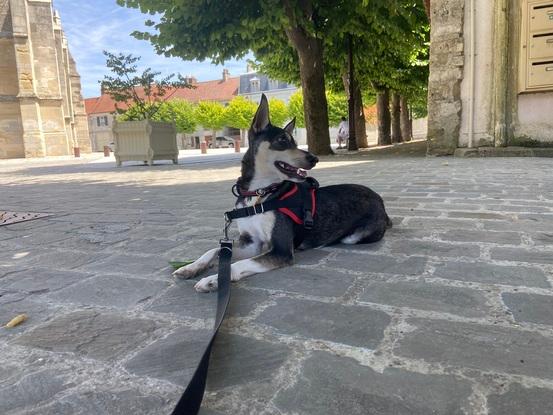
[178,264]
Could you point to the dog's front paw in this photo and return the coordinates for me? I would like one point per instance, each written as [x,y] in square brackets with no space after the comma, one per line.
[186,272]
[207,284]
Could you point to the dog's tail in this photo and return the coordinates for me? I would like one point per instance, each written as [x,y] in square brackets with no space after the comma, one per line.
[389,222]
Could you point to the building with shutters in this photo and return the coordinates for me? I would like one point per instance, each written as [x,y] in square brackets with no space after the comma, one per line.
[491,74]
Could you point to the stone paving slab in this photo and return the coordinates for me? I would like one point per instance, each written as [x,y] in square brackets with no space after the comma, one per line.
[490,348]
[329,384]
[433,297]
[532,308]
[518,400]
[351,325]
[172,358]
[103,336]
[450,314]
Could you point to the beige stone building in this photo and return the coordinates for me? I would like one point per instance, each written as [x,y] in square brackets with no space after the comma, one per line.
[491,74]
[41,109]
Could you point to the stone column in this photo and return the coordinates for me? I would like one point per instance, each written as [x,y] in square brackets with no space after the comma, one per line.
[446,74]
[11,131]
[32,137]
[502,130]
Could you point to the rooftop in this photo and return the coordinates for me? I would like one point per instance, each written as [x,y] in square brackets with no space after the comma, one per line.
[216,90]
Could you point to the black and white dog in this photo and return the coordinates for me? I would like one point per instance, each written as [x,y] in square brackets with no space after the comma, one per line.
[346,213]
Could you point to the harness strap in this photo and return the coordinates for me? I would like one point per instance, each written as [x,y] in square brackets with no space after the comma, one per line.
[262,208]
[298,203]
[191,399]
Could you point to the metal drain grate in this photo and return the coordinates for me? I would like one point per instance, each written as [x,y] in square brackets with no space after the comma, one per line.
[7,218]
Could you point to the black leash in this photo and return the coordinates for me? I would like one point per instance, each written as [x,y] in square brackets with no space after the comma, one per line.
[191,399]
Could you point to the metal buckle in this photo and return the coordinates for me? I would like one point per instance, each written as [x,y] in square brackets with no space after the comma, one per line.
[260,192]
[261,211]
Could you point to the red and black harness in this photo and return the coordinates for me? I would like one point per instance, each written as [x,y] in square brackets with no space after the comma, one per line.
[298,201]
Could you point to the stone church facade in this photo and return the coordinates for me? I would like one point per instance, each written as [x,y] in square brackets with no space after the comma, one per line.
[41,108]
[491,74]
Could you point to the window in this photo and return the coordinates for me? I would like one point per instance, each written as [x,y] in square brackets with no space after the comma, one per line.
[273,84]
[102,121]
[536,57]
[254,84]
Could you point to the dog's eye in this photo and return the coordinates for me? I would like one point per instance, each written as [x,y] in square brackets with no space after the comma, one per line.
[283,141]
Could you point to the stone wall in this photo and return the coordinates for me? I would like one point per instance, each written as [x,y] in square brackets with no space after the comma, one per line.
[446,74]
[41,108]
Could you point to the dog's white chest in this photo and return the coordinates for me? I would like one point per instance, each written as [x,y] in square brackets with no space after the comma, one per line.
[260,226]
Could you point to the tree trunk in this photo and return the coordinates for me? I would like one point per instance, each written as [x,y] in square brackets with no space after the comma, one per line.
[406,131]
[427,9]
[383,116]
[396,122]
[310,54]
[360,125]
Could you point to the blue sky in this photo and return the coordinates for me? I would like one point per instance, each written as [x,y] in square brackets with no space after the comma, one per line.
[92,26]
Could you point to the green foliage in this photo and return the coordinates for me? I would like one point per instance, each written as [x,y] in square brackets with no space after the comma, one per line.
[418,101]
[136,113]
[295,108]
[210,115]
[180,112]
[279,112]
[390,38]
[215,30]
[141,92]
[390,44]
[239,113]
[177,111]
[337,108]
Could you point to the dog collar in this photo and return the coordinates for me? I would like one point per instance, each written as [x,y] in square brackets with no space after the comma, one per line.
[241,192]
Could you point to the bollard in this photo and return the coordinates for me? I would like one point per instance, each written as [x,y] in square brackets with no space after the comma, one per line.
[77,151]
[237,145]
[203,148]
[106,151]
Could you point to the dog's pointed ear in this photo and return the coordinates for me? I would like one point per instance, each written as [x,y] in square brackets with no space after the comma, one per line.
[290,126]
[261,118]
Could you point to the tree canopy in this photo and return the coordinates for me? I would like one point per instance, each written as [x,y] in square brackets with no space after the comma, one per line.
[337,108]
[279,112]
[220,30]
[239,113]
[210,115]
[300,41]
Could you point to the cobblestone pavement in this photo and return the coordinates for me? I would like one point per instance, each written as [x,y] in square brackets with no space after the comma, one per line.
[452,313]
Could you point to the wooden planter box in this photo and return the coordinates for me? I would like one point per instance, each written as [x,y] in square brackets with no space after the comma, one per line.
[145,141]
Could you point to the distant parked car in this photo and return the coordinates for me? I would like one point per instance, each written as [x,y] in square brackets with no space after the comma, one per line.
[222,141]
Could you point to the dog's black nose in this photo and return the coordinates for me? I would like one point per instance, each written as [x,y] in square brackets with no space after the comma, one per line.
[311,158]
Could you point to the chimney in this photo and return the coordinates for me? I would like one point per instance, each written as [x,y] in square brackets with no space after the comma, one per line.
[226,75]
[190,80]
